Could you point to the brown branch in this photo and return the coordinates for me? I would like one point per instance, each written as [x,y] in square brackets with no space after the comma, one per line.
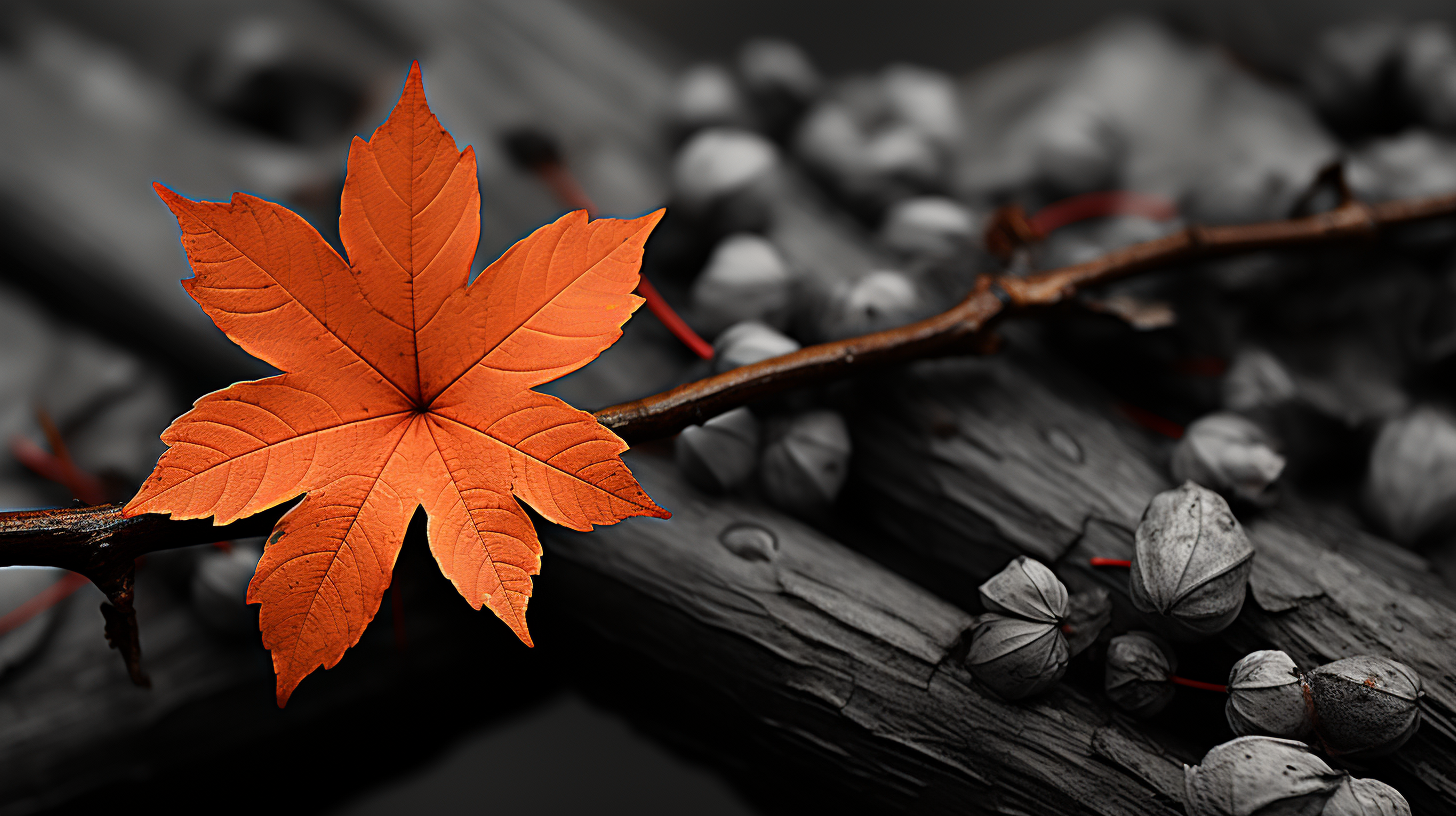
[101,544]
[963,328]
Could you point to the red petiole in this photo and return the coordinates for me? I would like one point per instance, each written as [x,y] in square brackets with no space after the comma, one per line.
[1109,562]
[1198,684]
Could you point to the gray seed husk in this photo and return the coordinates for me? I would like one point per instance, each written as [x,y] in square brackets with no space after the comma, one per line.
[1027,589]
[931,227]
[880,300]
[1228,453]
[806,464]
[745,279]
[722,453]
[1016,658]
[707,96]
[1139,665]
[1257,379]
[1088,614]
[719,162]
[1366,797]
[1266,696]
[1259,776]
[1192,562]
[1364,706]
[749,342]
[1411,481]
[771,65]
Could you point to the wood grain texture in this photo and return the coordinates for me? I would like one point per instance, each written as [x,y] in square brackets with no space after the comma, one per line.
[964,457]
[849,663]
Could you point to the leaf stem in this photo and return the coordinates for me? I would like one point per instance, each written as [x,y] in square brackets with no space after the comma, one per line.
[1198,684]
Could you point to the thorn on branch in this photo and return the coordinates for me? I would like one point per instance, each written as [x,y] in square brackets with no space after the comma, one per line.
[121,624]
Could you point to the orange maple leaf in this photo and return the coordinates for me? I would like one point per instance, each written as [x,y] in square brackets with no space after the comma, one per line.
[404,386]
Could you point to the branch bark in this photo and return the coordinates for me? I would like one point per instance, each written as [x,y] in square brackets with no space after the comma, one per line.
[101,544]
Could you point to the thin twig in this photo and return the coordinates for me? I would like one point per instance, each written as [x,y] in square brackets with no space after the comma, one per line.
[102,545]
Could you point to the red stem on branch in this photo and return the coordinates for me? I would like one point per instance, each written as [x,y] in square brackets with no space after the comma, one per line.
[1198,684]
[1109,562]
[1151,421]
[1101,205]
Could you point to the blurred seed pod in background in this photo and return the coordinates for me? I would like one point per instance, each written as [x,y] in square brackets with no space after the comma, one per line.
[930,227]
[805,462]
[706,96]
[1259,776]
[1017,658]
[1088,613]
[926,100]
[1410,486]
[220,588]
[1364,706]
[1366,797]
[1352,71]
[1256,379]
[781,82]
[749,342]
[1192,561]
[1428,60]
[720,454]
[746,279]
[1229,454]
[1027,589]
[727,180]
[1138,671]
[878,301]
[1266,696]
[1075,146]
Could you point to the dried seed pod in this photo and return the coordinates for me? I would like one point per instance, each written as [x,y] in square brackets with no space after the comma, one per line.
[1429,62]
[779,66]
[1016,658]
[722,453]
[1192,562]
[1026,589]
[930,227]
[1259,776]
[1075,145]
[725,178]
[1088,614]
[1366,797]
[748,342]
[745,279]
[1266,696]
[780,80]
[220,589]
[806,463]
[1229,454]
[1364,706]
[903,153]
[1256,379]
[707,96]
[880,300]
[1140,666]
[926,100]
[1411,483]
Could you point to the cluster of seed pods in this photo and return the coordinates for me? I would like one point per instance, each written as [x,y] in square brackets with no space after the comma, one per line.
[1189,578]
[1356,708]
[1031,629]
[1268,775]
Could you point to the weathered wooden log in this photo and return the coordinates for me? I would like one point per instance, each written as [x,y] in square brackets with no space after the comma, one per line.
[969,462]
[847,667]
